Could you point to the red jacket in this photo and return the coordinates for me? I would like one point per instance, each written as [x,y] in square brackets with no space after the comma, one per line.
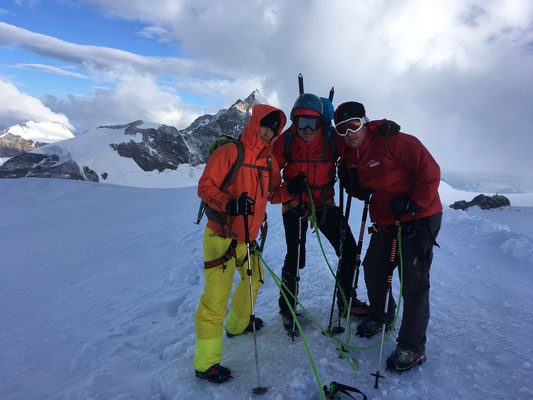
[313,159]
[247,179]
[393,165]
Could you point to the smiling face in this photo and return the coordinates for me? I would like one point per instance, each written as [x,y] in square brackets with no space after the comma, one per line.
[354,139]
[307,127]
[307,135]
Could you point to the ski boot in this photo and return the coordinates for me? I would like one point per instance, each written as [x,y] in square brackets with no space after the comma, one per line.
[403,360]
[216,374]
[369,327]
[258,325]
[287,321]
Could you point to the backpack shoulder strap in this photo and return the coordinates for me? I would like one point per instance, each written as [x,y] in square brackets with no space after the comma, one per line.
[332,145]
[230,176]
[287,148]
[329,142]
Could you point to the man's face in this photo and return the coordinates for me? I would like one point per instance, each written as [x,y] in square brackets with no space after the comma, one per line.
[265,133]
[354,139]
[307,127]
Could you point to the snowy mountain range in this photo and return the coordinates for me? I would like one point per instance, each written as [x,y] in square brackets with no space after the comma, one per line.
[30,135]
[133,152]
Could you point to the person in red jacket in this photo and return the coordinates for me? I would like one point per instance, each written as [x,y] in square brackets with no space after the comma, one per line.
[307,153]
[402,178]
[255,183]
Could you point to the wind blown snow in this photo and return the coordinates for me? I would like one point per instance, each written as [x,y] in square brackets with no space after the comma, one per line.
[100,283]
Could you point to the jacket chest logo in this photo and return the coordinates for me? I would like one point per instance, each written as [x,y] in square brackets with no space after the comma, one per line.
[373,163]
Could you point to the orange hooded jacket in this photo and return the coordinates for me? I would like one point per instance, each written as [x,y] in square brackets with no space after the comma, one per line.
[258,184]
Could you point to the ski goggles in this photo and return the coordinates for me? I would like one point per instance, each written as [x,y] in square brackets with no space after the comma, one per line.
[303,122]
[350,125]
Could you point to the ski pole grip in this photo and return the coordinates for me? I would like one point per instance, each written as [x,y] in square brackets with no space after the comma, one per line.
[244,195]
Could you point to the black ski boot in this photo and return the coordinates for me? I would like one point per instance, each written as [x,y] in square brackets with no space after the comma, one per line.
[359,309]
[216,374]
[286,320]
[258,325]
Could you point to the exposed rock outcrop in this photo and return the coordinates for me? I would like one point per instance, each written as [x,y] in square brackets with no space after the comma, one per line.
[482,201]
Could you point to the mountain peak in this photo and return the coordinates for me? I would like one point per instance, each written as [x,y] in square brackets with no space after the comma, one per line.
[247,104]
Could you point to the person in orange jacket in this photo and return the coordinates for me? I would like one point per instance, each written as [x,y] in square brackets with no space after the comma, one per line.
[255,183]
[402,178]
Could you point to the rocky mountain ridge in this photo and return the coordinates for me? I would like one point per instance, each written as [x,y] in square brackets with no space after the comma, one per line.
[113,151]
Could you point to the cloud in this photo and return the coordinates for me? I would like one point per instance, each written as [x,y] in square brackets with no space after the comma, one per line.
[457,74]
[51,69]
[29,3]
[154,32]
[19,107]
[104,58]
[134,97]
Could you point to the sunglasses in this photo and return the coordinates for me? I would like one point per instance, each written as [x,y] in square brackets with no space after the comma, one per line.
[350,125]
[312,123]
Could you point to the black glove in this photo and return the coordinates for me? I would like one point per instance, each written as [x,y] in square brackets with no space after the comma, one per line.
[402,204]
[362,193]
[345,178]
[298,185]
[242,205]
[389,128]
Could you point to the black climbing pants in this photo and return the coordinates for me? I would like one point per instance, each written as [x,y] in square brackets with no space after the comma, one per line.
[331,229]
[418,239]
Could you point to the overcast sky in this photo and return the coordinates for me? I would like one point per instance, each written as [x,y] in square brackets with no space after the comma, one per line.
[458,74]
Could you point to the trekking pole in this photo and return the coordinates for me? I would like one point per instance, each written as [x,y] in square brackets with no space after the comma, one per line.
[341,205]
[344,224]
[293,333]
[258,389]
[355,278]
[387,295]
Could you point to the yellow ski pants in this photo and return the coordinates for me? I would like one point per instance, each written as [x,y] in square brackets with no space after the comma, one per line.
[214,301]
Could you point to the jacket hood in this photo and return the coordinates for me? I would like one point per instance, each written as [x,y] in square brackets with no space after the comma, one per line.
[250,134]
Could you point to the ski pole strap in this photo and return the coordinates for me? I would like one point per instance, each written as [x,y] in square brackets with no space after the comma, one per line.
[228,255]
[335,388]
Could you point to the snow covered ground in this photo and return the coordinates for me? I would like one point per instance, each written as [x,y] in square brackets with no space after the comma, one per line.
[99,286]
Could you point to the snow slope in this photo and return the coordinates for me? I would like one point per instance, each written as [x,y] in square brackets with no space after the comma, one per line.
[44,131]
[99,286]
